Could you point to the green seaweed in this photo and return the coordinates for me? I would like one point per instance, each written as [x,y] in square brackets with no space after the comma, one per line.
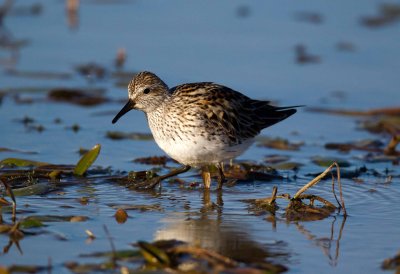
[87,160]
[21,162]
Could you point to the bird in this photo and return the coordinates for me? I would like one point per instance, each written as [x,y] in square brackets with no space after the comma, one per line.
[200,124]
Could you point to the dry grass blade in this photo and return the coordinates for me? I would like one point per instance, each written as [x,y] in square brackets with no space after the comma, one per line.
[274,192]
[114,256]
[312,182]
[341,203]
[319,178]
[340,189]
[333,189]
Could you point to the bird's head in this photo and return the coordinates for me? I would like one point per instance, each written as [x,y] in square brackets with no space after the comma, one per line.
[146,92]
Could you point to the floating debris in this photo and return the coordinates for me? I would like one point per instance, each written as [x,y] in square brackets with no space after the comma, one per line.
[56,218]
[26,269]
[21,162]
[119,135]
[75,127]
[36,188]
[345,46]
[82,150]
[153,160]
[90,234]
[26,120]
[367,145]
[91,70]
[72,9]
[121,216]
[278,143]
[243,11]
[382,125]
[120,59]
[392,263]
[33,9]
[141,208]
[327,161]
[122,78]
[297,210]
[5,149]
[287,166]
[276,158]
[388,14]
[381,121]
[303,57]
[89,97]
[394,111]
[39,74]
[87,160]
[246,172]
[31,223]
[387,125]
[309,17]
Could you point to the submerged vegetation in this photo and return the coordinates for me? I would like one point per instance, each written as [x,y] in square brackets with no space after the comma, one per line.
[22,177]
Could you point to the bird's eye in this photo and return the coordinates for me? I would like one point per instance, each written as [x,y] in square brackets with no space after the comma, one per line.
[146,91]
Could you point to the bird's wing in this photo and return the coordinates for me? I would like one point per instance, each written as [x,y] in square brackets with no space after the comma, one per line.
[226,111]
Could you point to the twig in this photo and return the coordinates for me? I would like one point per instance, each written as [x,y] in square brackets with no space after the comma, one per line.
[333,190]
[14,201]
[319,178]
[114,255]
[340,188]
[313,182]
[274,192]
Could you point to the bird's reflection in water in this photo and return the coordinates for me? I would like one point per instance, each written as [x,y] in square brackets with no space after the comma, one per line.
[207,229]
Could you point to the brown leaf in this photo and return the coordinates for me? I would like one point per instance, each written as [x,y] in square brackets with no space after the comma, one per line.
[153,160]
[78,96]
[121,216]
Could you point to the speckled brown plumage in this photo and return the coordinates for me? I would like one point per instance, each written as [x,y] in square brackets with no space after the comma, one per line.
[199,124]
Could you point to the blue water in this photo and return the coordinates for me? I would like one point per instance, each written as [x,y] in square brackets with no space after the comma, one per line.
[188,41]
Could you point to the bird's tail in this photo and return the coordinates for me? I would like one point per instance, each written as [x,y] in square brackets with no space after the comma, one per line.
[269,115]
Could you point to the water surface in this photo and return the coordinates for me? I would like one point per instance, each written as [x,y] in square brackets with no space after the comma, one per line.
[249,47]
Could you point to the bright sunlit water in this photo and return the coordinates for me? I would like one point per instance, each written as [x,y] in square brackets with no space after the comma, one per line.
[189,41]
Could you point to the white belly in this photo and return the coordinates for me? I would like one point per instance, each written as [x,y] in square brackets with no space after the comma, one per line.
[199,151]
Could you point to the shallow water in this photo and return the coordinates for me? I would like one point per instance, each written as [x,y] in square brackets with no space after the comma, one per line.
[205,41]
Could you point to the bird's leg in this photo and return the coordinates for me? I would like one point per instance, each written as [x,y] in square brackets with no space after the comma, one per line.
[205,174]
[151,183]
[221,176]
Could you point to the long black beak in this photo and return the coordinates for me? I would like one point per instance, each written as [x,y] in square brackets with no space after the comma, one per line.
[129,106]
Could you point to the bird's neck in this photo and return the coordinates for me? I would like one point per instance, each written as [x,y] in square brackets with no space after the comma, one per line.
[156,116]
